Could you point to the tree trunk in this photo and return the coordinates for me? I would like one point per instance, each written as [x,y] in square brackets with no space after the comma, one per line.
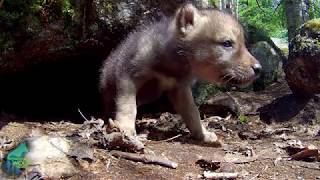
[86,15]
[304,10]
[223,5]
[229,6]
[293,15]
[202,3]
[236,8]
[219,4]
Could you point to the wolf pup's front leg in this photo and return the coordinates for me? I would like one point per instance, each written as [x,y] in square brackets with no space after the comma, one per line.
[126,106]
[183,102]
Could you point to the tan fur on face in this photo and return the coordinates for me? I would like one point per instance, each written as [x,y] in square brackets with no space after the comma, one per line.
[214,62]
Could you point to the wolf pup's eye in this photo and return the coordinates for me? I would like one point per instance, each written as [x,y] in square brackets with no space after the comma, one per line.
[227,43]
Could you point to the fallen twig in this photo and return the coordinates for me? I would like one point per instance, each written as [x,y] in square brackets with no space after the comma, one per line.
[172,138]
[82,115]
[220,175]
[144,158]
[236,161]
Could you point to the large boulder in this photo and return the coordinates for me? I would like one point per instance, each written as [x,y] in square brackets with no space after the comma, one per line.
[51,51]
[303,66]
[38,32]
[270,61]
[257,39]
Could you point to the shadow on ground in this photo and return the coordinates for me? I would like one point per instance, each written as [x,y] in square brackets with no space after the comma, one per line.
[283,108]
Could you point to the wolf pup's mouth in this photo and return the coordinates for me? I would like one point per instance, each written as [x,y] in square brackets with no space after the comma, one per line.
[237,81]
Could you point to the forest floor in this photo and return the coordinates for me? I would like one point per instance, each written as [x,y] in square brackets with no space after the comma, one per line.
[255,147]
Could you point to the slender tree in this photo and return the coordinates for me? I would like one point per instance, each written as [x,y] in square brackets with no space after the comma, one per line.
[293,15]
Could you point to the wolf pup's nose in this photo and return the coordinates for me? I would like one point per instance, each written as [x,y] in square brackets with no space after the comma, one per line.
[257,68]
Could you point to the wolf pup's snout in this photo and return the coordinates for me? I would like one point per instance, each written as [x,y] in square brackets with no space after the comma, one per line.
[257,68]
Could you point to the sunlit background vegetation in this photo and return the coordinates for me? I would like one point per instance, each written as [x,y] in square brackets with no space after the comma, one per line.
[269,15]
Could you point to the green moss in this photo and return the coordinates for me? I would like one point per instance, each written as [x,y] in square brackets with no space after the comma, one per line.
[202,91]
[313,25]
[243,119]
[285,51]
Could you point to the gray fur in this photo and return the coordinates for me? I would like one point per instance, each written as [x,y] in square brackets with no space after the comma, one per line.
[166,56]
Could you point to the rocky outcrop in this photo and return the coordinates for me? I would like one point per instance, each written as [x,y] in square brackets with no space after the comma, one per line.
[271,64]
[51,51]
[36,32]
[303,66]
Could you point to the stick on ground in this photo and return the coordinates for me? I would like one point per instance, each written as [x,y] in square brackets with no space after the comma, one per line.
[144,158]
[220,175]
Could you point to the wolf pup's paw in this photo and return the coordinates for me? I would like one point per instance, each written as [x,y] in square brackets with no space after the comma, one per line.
[212,139]
[126,129]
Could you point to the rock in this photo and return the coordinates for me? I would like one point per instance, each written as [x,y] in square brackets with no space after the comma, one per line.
[221,104]
[48,155]
[282,44]
[45,46]
[303,66]
[270,61]
[166,126]
[32,33]
[257,38]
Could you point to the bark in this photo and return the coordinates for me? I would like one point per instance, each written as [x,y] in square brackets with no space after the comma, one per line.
[293,15]
[236,8]
[230,6]
[223,4]
[304,10]
[202,3]
[219,4]
[87,16]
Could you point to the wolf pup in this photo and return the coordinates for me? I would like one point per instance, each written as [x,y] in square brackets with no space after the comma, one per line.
[167,56]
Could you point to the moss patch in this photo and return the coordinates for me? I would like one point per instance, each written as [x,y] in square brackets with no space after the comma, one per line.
[307,42]
[313,25]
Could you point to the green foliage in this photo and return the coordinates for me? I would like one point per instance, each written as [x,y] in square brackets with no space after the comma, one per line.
[67,8]
[243,119]
[6,43]
[270,16]
[20,20]
[314,11]
[264,14]
[214,3]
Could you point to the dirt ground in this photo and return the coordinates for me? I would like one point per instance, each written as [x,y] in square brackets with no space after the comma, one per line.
[273,119]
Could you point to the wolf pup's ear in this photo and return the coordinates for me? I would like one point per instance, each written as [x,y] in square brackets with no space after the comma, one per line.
[186,18]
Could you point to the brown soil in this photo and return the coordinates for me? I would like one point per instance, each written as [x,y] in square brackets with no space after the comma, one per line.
[278,110]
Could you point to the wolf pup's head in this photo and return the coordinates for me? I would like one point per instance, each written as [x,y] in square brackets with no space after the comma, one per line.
[216,44]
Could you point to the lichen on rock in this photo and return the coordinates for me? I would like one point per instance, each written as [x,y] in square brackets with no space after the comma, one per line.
[303,66]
